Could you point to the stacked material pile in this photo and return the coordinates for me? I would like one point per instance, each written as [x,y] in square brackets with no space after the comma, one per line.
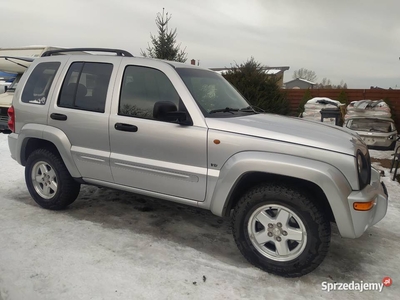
[368,108]
[312,109]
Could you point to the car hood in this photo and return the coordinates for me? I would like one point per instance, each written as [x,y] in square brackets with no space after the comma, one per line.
[6,99]
[291,130]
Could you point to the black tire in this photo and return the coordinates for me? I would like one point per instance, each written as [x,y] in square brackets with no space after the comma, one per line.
[67,188]
[313,247]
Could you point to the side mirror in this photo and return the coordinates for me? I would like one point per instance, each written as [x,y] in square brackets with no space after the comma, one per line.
[167,111]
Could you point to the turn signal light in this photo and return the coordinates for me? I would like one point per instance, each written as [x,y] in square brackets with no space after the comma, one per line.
[363,206]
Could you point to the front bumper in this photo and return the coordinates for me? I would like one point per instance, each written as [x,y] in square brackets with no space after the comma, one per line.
[376,191]
[379,142]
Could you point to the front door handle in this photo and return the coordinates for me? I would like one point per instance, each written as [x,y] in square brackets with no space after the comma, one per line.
[125,127]
[59,117]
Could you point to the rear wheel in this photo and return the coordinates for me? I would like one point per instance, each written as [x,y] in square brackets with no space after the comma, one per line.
[49,181]
[281,230]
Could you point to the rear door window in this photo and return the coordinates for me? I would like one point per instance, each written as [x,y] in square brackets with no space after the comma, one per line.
[39,82]
[85,86]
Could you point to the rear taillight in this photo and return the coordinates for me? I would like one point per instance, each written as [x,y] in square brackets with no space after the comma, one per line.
[11,118]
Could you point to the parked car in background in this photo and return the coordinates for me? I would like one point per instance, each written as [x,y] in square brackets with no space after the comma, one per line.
[378,133]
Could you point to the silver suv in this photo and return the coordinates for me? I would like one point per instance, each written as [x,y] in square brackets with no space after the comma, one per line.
[184,134]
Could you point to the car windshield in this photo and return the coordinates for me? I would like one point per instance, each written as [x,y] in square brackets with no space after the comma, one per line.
[14,84]
[371,125]
[213,93]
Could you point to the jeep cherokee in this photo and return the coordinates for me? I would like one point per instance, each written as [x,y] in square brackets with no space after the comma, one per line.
[182,133]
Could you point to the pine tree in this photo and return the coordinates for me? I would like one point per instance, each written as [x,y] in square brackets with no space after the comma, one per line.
[307,96]
[391,106]
[164,45]
[342,98]
[260,89]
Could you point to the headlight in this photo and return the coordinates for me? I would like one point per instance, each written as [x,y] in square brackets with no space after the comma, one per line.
[364,169]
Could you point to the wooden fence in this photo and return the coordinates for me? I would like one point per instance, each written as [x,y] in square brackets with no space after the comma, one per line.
[295,97]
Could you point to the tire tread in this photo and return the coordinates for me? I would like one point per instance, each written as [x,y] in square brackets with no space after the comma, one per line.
[68,188]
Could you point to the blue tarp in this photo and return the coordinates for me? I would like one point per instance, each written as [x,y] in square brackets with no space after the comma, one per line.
[7,76]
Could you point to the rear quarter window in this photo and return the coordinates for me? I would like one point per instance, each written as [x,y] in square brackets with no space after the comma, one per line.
[37,87]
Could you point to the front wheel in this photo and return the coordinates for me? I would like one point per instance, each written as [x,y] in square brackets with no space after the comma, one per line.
[48,180]
[281,230]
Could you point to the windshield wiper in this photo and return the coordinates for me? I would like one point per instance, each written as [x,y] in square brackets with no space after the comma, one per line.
[252,108]
[247,109]
[226,109]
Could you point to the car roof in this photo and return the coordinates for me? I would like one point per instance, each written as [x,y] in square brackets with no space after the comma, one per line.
[80,54]
[135,59]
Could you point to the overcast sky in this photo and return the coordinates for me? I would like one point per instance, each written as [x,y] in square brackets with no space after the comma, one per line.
[354,40]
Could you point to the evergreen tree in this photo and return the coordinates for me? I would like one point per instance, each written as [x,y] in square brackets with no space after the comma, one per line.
[164,45]
[260,90]
[342,98]
[391,106]
[307,96]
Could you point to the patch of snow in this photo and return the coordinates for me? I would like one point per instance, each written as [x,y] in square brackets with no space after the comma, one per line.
[316,100]
[383,154]
[301,79]
[114,245]
[272,71]
[267,71]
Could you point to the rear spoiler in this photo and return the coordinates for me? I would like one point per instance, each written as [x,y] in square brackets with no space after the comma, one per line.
[13,58]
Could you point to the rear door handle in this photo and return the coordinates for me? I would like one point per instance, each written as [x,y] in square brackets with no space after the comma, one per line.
[125,127]
[59,117]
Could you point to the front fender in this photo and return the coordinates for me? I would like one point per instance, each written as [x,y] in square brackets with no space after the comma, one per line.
[331,181]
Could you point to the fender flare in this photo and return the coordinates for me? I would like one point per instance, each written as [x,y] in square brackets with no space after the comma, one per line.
[52,135]
[331,181]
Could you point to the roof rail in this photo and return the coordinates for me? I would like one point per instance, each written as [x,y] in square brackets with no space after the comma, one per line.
[117,51]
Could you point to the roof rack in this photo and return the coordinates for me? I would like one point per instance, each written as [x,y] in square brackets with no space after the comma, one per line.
[117,51]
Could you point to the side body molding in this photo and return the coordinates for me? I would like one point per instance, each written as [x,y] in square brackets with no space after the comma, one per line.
[331,181]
